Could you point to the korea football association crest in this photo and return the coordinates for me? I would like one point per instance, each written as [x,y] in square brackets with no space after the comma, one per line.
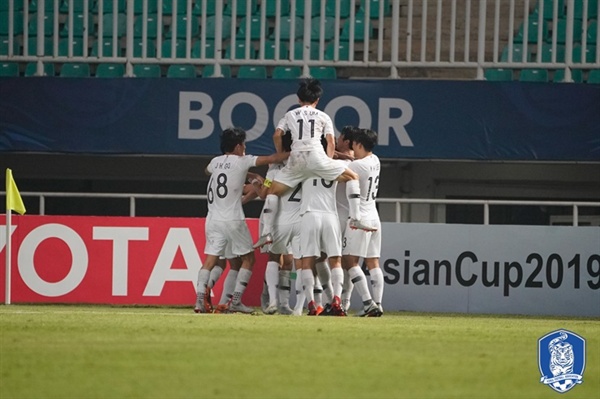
[561,358]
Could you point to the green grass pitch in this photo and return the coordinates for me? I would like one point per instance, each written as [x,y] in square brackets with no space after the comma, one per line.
[54,351]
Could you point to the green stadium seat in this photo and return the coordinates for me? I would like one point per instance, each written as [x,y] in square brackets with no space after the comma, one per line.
[547,52]
[78,6]
[534,75]
[78,27]
[270,50]
[209,70]
[344,8]
[254,28]
[110,71]
[138,6]
[182,27]
[147,71]
[108,6]
[18,23]
[271,7]
[517,54]
[75,70]
[225,30]
[240,51]
[209,49]
[4,46]
[374,8]
[181,71]
[592,9]
[549,8]
[576,75]
[299,50]
[323,72]
[32,46]
[594,76]
[107,49]
[138,48]
[179,49]
[48,24]
[561,31]
[343,51]
[315,8]
[285,28]
[108,25]
[211,7]
[532,31]
[590,54]
[498,75]
[9,69]
[592,33]
[31,69]
[152,26]
[48,5]
[286,72]
[63,47]
[241,8]
[168,7]
[17,4]
[252,72]
[359,29]
[328,29]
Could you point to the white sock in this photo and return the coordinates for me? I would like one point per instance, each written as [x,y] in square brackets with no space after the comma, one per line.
[272,278]
[353,194]
[300,296]
[318,292]
[360,283]
[240,284]
[284,288]
[324,274]
[308,284]
[377,284]
[337,281]
[347,290]
[269,212]
[203,276]
[228,286]
[215,274]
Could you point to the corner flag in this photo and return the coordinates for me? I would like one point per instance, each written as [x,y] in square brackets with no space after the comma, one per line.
[13,198]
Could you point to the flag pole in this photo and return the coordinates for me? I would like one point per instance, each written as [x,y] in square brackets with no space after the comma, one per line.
[8,256]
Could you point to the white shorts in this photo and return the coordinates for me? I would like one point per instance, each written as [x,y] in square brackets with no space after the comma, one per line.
[303,165]
[362,243]
[286,239]
[320,232]
[227,238]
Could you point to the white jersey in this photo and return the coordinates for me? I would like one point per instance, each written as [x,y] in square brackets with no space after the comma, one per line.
[318,195]
[307,125]
[343,208]
[224,191]
[367,169]
[289,205]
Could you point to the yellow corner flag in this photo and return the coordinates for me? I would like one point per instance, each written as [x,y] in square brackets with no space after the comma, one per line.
[13,198]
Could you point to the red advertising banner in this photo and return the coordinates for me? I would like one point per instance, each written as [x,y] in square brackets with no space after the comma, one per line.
[111,260]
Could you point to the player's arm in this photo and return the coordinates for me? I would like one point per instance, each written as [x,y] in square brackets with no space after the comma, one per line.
[330,145]
[278,139]
[278,157]
[343,156]
[249,193]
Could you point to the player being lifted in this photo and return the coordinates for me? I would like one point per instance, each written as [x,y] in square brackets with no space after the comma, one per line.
[226,223]
[307,159]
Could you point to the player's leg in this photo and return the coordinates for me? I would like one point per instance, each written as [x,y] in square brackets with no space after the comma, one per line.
[215,274]
[324,275]
[229,284]
[284,284]
[203,276]
[300,296]
[269,212]
[347,289]
[271,280]
[241,283]
[377,281]
[337,281]
[308,283]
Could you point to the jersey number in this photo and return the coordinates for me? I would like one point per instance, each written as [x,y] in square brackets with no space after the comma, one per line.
[373,194]
[301,128]
[221,188]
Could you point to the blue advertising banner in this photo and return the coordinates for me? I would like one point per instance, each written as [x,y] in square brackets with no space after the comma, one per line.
[474,120]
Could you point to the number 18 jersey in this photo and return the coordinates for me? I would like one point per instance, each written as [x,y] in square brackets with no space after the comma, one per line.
[224,192]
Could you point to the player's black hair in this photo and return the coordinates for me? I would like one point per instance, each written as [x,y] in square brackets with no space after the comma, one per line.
[232,137]
[286,141]
[310,90]
[348,132]
[366,137]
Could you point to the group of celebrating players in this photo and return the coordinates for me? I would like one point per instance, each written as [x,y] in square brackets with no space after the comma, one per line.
[319,216]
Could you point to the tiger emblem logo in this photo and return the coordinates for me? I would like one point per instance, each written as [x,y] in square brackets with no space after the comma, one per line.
[561,357]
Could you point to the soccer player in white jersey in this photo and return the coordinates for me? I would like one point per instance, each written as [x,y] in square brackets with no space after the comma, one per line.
[359,243]
[226,222]
[320,232]
[307,159]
